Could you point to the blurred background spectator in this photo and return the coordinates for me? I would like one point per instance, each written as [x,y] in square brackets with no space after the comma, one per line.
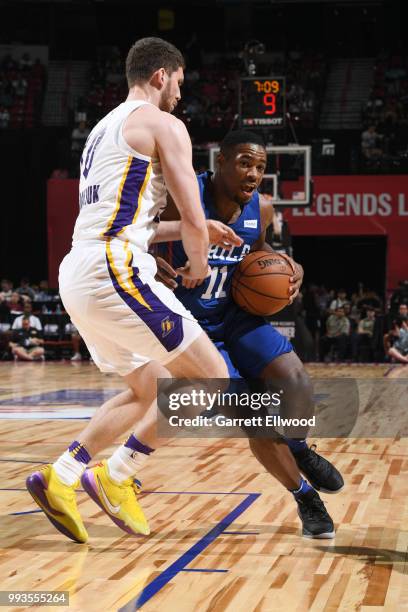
[25,289]
[34,321]
[396,341]
[370,141]
[26,343]
[365,334]
[336,337]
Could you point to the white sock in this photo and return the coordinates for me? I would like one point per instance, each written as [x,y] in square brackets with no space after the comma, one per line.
[125,463]
[68,469]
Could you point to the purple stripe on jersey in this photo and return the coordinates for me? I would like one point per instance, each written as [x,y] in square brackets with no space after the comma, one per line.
[166,325]
[129,198]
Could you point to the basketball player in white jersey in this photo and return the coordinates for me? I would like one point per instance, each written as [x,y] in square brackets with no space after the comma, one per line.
[132,325]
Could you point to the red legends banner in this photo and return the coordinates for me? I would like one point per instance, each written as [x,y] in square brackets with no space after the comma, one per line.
[359,205]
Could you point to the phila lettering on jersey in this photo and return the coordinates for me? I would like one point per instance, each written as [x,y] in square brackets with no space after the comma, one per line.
[121,192]
[210,301]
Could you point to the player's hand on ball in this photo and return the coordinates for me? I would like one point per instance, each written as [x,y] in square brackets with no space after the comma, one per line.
[191,278]
[166,274]
[222,235]
[296,280]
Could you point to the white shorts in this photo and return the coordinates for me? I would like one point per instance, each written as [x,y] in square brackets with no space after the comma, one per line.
[125,316]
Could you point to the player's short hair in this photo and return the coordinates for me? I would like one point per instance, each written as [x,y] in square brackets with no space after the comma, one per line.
[237,137]
[148,55]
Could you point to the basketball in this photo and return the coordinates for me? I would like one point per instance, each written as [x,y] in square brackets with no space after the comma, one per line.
[260,284]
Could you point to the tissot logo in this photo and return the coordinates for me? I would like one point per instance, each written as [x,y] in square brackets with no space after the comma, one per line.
[251,223]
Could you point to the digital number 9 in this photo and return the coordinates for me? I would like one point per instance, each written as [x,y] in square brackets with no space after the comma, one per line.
[269,101]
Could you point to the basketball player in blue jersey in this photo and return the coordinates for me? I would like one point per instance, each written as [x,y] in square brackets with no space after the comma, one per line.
[132,324]
[250,346]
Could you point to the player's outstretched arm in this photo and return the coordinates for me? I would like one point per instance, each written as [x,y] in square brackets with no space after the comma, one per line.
[219,233]
[169,228]
[175,152]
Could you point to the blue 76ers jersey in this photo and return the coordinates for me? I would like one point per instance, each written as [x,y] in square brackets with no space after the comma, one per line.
[210,301]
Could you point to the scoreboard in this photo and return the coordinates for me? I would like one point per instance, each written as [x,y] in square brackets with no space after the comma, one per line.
[262,102]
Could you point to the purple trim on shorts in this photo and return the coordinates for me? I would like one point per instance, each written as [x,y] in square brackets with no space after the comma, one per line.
[129,199]
[166,325]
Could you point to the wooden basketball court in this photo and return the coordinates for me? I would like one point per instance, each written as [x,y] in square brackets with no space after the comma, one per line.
[225,535]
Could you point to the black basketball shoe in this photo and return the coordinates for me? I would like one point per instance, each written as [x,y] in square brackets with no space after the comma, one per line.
[321,474]
[316,521]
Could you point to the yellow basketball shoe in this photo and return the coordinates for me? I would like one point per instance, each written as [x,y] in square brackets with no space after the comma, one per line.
[119,501]
[58,501]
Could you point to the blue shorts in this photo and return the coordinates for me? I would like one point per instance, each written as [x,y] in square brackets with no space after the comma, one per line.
[249,343]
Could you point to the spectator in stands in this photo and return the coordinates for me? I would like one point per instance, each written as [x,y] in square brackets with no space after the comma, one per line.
[337,333]
[25,289]
[367,298]
[396,341]
[340,300]
[322,297]
[34,321]
[27,342]
[15,303]
[6,290]
[400,296]
[4,117]
[352,337]
[78,345]
[78,138]
[42,294]
[369,143]
[403,311]
[365,334]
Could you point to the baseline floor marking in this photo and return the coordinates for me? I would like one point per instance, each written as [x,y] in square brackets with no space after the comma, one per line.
[180,564]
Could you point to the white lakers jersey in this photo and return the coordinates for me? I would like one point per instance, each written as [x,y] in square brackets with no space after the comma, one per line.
[121,192]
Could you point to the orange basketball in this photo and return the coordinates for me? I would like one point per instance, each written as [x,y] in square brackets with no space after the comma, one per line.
[260,284]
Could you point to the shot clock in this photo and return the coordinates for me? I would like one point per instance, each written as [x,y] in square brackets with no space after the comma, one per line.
[262,102]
